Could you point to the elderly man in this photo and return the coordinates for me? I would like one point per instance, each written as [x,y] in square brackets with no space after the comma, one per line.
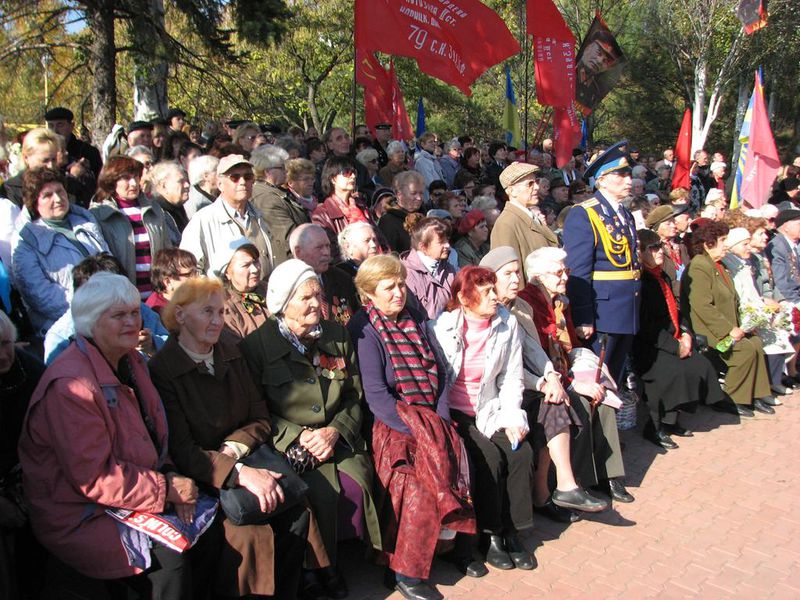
[140,133]
[451,161]
[230,217]
[60,120]
[662,221]
[668,160]
[273,200]
[357,242]
[518,226]
[409,186]
[600,240]
[782,253]
[310,243]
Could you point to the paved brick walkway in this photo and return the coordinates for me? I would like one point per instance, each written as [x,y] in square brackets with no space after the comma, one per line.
[713,519]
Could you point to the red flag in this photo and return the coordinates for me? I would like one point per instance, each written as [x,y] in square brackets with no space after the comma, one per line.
[401,124]
[566,133]
[752,14]
[377,89]
[683,153]
[544,20]
[762,162]
[454,42]
[554,71]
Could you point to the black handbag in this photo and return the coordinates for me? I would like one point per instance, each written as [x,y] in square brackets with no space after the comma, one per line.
[241,505]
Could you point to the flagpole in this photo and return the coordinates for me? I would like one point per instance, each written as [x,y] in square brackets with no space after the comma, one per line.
[353,94]
[525,55]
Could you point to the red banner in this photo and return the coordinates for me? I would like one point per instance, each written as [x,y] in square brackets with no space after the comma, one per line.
[377,89]
[401,124]
[683,153]
[453,40]
[566,133]
[554,71]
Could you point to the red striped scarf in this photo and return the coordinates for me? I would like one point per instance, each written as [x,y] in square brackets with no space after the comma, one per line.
[669,298]
[141,242]
[413,361]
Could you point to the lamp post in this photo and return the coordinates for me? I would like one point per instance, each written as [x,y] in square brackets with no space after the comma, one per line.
[46,59]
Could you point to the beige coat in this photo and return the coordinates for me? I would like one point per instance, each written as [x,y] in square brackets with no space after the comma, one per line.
[516,227]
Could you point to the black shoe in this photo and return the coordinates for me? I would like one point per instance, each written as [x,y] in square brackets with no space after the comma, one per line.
[556,513]
[771,401]
[618,492]
[744,411]
[579,499]
[726,406]
[790,382]
[466,564]
[660,438]
[676,430]
[496,555]
[333,582]
[418,591]
[311,588]
[522,558]
[760,406]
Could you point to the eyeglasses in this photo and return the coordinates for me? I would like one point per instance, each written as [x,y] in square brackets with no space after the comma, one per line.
[560,273]
[347,172]
[373,161]
[656,247]
[278,168]
[188,274]
[235,177]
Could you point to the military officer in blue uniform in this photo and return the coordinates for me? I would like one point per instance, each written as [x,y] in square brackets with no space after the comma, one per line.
[604,284]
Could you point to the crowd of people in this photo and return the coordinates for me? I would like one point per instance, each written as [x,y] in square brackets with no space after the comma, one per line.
[421,345]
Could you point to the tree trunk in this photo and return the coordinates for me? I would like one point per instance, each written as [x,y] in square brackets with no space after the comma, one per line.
[150,66]
[699,106]
[100,20]
[312,108]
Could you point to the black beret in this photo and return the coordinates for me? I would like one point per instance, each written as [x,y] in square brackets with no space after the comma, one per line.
[175,112]
[59,113]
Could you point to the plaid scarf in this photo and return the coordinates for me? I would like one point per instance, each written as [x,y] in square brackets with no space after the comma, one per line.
[414,364]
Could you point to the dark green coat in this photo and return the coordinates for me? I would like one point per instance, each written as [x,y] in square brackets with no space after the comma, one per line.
[299,397]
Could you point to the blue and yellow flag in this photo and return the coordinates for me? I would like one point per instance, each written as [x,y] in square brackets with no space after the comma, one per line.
[744,145]
[510,114]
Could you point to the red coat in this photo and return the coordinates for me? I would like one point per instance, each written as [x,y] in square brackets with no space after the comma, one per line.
[84,446]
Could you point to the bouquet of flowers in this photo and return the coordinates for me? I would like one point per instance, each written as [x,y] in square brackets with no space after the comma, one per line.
[752,316]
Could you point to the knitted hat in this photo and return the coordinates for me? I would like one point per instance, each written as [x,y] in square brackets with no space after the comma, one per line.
[498,257]
[470,220]
[516,172]
[736,236]
[284,281]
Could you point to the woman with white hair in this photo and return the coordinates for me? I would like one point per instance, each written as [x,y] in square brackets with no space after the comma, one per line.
[306,369]
[270,193]
[396,152]
[203,179]
[369,158]
[171,192]
[95,438]
[546,294]
[247,136]
[358,241]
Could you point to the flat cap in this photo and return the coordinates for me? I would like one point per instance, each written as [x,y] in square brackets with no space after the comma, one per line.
[139,125]
[658,216]
[516,172]
[498,257]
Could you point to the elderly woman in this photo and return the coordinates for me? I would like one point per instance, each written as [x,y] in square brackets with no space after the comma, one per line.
[473,245]
[358,241]
[239,269]
[171,191]
[675,377]
[19,374]
[217,416]
[203,179]
[308,375]
[52,237]
[369,158]
[300,175]
[709,300]
[171,267]
[418,454]
[396,152]
[246,135]
[597,458]
[547,403]
[777,347]
[430,275]
[479,341]
[100,387]
[134,227]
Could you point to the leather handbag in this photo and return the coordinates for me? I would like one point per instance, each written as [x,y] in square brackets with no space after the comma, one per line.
[241,505]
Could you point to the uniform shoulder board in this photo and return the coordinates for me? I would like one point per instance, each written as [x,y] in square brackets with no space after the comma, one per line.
[589,203]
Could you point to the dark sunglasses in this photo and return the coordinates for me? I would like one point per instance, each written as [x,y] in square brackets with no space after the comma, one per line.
[656,247]
[237,176]
[347,172]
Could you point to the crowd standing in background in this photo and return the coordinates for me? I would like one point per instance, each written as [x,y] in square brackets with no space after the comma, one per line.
[269,342]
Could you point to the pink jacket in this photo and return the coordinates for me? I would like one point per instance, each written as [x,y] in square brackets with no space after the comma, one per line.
[84,446]
[432,292]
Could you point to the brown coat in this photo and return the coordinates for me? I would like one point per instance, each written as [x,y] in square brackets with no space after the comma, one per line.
[203,411]
[238,319]
[516,227]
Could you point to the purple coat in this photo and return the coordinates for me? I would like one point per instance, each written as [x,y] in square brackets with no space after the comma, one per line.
[377,373]
[431,292]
